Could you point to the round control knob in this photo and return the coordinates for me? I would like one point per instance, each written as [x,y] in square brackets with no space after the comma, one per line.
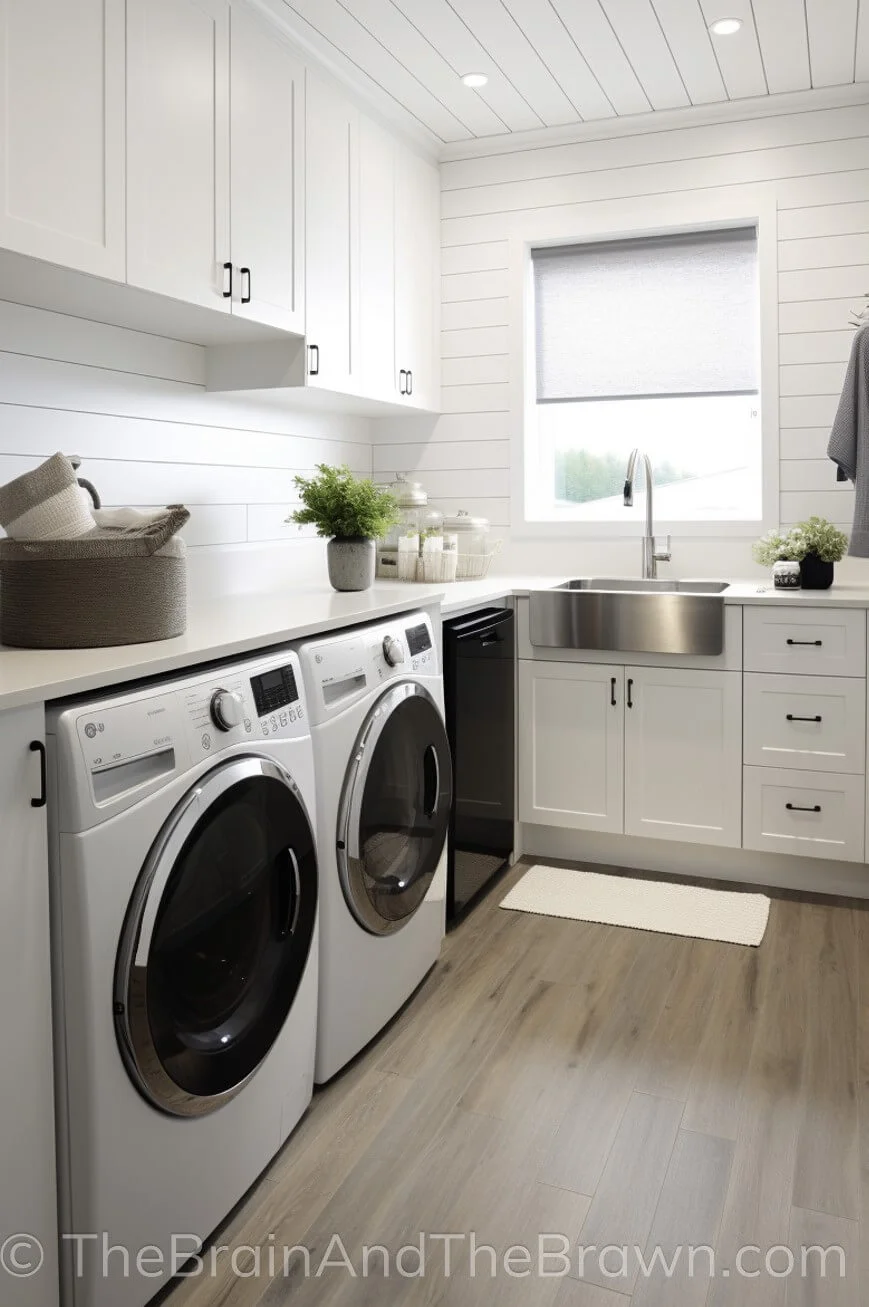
[393,651]
[227,709]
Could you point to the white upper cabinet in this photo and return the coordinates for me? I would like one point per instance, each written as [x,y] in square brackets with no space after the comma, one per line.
[330,235]
[683,755]
[267,103]
[62,132]
[178,149]
[417,280]
[375,328]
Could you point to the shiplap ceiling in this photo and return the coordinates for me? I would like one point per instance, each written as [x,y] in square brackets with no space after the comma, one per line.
[555,63]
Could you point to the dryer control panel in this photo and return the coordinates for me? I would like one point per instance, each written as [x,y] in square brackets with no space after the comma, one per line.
[338,670]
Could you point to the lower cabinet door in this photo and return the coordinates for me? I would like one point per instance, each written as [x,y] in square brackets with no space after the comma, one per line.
[812,814]
[571,745]
[683,755]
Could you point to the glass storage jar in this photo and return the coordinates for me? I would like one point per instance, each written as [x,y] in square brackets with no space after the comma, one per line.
[472,533]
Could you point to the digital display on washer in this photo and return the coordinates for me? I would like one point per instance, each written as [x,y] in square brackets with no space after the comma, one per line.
[274,689]
[418,639]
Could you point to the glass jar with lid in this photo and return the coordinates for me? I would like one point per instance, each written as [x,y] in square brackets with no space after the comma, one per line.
[472,533]
[412,499]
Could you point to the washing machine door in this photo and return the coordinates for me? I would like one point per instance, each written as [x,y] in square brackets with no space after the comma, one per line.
[217,937]
[395,807]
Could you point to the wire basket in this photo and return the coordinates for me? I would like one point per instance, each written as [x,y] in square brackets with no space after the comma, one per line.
[437,567]
[473,567]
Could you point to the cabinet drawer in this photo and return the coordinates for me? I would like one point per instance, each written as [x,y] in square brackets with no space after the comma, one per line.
[816,723]
[815,641]
[811,814]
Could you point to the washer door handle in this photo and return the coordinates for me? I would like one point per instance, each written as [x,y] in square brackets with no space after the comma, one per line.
[431,773]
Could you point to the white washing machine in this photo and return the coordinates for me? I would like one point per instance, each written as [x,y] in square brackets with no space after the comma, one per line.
[185,935]
[384,787]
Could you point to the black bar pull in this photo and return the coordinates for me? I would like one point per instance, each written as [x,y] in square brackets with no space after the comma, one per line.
[314,368]
[613,691]
[245,272]
[812,642]
[227,290]
[795,807]
[402,381]
[36,746]
[630,689]
[410,382]
[792,718]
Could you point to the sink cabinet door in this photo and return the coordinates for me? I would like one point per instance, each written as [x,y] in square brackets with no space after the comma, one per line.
[571,745]
[683,755]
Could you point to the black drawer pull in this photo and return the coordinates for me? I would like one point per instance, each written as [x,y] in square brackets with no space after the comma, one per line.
[630,692]
[814,642]
[613,691]
[36,746]
[792,718]
[795,807]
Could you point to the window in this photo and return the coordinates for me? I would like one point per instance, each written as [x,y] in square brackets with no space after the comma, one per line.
[651,342]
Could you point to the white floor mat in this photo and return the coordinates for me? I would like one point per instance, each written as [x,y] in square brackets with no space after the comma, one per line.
[672,909]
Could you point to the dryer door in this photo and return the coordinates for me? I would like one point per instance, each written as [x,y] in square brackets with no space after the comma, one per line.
[217,937]
[394,814]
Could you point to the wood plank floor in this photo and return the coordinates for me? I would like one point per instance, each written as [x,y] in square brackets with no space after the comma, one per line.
[606,1085]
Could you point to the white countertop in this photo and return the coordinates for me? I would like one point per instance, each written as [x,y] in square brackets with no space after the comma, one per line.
[247,624]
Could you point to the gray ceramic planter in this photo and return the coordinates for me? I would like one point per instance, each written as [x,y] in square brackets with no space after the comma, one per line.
[351,562]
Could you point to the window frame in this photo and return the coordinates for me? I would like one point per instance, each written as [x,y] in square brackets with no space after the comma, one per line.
[702,210]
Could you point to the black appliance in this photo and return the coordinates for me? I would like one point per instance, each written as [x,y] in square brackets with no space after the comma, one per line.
[479,688]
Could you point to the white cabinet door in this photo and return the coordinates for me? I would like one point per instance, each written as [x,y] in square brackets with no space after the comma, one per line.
[417,280]
[62,132]
[683,755]
[178,148]
[571,745]
[267,175]
[331,235]
[375,355]
[27,1150]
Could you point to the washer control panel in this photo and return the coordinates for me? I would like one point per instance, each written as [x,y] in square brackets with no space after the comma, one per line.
[339,669]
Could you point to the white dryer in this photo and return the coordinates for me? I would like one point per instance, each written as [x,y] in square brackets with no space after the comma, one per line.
[384,788]
[185,937]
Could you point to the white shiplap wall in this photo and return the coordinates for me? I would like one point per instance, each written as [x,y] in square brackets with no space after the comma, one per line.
[818,165]
[135,408]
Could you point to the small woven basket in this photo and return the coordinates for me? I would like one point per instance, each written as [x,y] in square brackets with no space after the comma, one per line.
[90,592]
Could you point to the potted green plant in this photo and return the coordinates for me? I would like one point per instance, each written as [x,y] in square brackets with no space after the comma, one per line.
[815,544]
[352,512]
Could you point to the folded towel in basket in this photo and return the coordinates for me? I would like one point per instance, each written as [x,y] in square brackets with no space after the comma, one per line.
[153,530]
[45,504]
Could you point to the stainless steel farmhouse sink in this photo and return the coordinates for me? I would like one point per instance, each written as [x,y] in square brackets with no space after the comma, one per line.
[630,616]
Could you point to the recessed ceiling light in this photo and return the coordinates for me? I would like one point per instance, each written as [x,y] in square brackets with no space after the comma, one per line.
[725,26]
[475,79]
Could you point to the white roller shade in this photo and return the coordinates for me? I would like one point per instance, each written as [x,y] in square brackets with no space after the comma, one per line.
[664,315]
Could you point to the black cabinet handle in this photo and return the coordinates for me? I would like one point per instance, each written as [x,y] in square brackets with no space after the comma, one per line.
[314,369]
[409,382]
[613,691]
[792,718]
[795,807]
[36,746]
[402,381]
[812,642]
[245,272]
[227,290]
[630,689]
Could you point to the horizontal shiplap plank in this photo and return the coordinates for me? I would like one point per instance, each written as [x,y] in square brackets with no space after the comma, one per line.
[480,257]
[812,379]
[835,505]
[811,474]
[837,188]
[824,283]
[475,286]
[824,252]
[475,371]
[268,522]
[442,455]
[475,313]
[477,483]
[808,410]
[817,315]
[475,399]
[804,442]
[475,341]
[815,347]
[823,220]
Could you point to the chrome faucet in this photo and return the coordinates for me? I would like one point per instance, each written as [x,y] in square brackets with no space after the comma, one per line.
[651,555]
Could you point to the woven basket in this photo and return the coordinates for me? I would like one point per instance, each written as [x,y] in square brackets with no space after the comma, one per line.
[92,592]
